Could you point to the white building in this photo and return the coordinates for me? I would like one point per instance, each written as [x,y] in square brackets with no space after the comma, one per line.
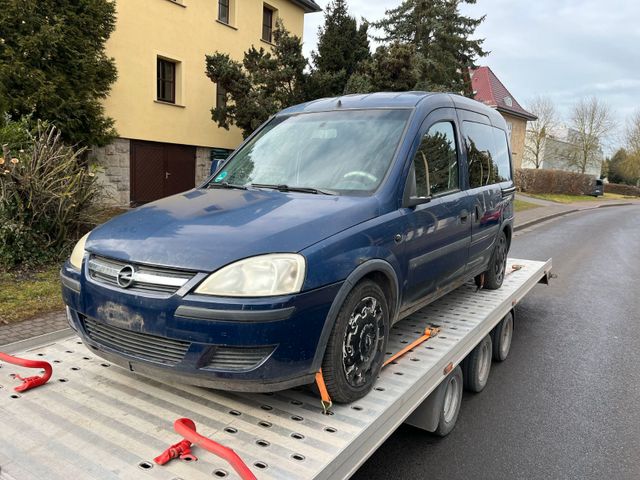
[556,153]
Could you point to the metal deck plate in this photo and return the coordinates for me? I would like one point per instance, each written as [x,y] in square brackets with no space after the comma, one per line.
[94,420]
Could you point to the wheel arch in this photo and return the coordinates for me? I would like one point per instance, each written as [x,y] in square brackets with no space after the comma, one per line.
[508,231]
[381,272]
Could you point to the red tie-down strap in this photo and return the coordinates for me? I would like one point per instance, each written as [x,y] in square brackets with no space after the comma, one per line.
[187,429]
[29,382]
[181,449]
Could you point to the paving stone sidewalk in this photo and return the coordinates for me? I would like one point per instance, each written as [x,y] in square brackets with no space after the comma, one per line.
[547,210]
[14,332]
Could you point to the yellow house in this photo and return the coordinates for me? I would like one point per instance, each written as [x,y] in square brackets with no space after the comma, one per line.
[162,100]
[487,88]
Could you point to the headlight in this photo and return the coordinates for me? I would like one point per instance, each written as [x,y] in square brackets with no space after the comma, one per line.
[78,253]
[261,276]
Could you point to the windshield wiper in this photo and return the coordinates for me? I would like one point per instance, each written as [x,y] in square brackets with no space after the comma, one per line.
[226,185]
[287,188]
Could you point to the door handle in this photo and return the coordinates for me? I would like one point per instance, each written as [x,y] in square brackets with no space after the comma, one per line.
[508,191]
[167,175]
[464,216]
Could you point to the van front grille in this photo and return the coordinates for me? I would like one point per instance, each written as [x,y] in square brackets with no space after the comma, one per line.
[144,278]
[147,347]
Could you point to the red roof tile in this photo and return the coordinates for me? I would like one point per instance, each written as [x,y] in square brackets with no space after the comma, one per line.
[491,91]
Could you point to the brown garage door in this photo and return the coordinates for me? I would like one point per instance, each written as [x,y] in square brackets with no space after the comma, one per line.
[160,169]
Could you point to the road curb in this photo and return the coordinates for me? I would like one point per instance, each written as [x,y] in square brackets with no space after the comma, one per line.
[563,213]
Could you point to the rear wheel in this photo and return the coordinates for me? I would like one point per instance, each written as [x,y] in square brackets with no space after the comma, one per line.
[357,344]
[451,402]
[494,276]
[477,365]
[501,338]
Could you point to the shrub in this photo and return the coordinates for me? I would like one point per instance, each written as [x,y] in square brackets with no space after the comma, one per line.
[622,189]
[553,181]
[47,199]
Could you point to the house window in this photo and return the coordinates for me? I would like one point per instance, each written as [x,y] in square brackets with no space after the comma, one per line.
[166,81]
[223,11]
[221,96]
[267,24]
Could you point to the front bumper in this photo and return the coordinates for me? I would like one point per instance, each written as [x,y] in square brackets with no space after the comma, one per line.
[262,344]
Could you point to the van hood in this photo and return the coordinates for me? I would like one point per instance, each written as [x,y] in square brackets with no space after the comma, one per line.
[204,230]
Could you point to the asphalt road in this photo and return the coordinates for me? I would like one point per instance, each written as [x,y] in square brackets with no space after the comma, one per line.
[566,403]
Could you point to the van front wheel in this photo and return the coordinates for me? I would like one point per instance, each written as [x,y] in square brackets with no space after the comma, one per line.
[357,344]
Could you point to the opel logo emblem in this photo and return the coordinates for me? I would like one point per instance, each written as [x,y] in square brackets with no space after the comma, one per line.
[125,276]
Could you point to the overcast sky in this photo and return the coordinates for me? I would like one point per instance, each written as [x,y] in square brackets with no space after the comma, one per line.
[566,49]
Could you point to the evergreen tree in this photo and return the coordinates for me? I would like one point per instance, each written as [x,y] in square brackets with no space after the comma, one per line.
[393,68]
[441,36]
[53,65]
[263,84]
[342,46]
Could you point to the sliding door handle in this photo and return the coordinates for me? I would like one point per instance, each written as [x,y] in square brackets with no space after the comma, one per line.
[508,191]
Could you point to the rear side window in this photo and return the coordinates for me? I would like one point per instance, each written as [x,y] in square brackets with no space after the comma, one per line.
[487,154]
[501,157]
[436,161]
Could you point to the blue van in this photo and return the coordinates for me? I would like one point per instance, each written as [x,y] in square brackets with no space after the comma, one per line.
[334,220]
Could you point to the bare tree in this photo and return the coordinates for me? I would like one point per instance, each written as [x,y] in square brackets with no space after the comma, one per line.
[631,165]
[591,122]
[538,130]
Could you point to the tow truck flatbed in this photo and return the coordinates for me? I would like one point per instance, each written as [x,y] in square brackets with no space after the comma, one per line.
[98,421]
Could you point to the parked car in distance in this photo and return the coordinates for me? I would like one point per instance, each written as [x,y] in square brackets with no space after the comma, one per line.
[598,188]
[334,220]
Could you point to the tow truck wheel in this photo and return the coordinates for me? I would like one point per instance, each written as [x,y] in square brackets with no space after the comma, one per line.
[451,401]
[357,344]
[501,338]
[477,365]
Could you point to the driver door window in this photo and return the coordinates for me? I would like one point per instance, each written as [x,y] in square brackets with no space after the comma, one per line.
[436,162]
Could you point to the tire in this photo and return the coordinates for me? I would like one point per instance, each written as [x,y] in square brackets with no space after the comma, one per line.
[494,275]
[451,401]
[501,338]
[357,344]
[477,366]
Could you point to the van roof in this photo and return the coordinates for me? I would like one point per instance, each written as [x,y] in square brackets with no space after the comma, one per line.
[391,100]
[367,100]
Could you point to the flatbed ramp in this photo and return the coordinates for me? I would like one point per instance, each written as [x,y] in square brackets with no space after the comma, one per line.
[97,421]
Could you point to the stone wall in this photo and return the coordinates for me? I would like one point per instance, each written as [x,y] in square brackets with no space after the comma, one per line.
[113,170]
[203,164]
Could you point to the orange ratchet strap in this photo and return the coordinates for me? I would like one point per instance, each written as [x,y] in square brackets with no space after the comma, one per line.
[429,332]
[324,393]
[514,268]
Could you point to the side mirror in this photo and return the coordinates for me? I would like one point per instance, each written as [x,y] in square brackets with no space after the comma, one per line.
[415,201]
[214,166]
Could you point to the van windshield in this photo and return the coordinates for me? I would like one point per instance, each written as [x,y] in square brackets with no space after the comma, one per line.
[338,152]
